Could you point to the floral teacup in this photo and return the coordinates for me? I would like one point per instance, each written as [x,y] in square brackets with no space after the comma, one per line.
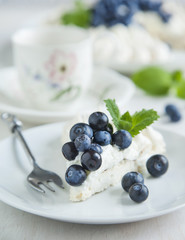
[54,64]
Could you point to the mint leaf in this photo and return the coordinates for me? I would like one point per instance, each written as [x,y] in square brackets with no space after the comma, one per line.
[153,80]
[114,111]
[125,121]
[133,124]
[79,16]
[177,76]
[142,119]
[126,125]
[181,90]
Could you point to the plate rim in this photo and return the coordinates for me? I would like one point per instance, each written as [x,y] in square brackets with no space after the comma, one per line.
[83,220]
[59,114]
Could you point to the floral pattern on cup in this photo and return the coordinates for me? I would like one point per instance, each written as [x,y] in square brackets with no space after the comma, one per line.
[60,66]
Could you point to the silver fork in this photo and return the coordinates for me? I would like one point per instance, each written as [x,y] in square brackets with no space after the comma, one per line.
[38,176]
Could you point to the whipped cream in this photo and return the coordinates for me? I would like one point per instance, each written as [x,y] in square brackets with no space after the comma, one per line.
[172,32]
[125,44]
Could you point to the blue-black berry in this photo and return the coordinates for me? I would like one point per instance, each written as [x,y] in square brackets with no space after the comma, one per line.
[103,138]
[122,139]
[82,143]
[75,175]
[79,129]
[91,160]
[131,178]
[173,112]
[69,151]
[138,192]
[98,120]
[157,165]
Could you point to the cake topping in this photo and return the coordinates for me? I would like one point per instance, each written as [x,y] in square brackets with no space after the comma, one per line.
[131,123]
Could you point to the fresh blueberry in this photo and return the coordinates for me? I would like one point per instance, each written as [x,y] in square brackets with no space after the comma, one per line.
[147,5]
[122,139]
[75,175]
[157,165]
[98,120]
[96,147]
[138,192]
[164,16]
[103,138]
[82,143]
[131,178]
[69,151]
[79,129]
[109,128]
[91,160]
[111,12]
[173,112]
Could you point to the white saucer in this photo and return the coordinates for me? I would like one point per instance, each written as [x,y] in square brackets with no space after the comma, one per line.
[166,193]
[106,83]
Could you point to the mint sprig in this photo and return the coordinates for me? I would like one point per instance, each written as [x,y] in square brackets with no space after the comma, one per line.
[132,123]
[157,81]
[79,16]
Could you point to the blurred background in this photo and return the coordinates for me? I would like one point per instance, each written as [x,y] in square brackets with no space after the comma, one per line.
[18,13]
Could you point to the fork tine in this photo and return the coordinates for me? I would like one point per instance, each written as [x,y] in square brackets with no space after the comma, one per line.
[48,186]
[35,185]
[57,180]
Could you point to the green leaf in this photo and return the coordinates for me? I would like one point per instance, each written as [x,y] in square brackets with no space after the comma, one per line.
[125,121]
[133,124]
[181,90]
[142,119]
[79,16]
[65,91]
[177,76]
[126,125]
[153,80]
[114,111]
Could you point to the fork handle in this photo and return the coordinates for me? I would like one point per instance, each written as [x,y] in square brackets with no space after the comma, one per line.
[15,127]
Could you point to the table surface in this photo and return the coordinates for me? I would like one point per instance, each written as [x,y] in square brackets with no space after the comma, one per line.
[16,224]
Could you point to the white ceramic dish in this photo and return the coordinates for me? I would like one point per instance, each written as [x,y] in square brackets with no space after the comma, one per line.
[112,206]
[105,83]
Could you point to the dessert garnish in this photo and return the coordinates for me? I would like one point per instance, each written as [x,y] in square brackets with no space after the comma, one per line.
[100,153]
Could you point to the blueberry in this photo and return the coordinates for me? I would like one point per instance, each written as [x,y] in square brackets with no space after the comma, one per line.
[82,143]
[109,128]
[79,129]
[157,165]
[91,160]
[147,5]
[138,192]
[96,147]
[103,138]
[98,120]
[173,112]
[69,151]
[164,16]
[131,178]
[75,175]
[122,139]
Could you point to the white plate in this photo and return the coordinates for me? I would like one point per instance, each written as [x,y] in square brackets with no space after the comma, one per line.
[105,83]
[167,193]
